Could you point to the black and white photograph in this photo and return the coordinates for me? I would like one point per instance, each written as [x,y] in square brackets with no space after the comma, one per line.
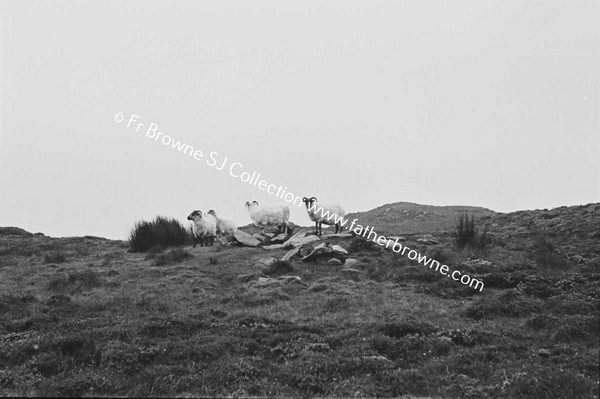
[300,199]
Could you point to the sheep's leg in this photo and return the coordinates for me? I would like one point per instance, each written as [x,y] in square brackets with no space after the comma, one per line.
[317,228]
[320,233]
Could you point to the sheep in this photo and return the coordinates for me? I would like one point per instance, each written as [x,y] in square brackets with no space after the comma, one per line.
[203,227]
[225,227]
[270,215]
[324,213]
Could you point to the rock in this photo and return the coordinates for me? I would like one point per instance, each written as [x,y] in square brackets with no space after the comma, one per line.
[290,279]
[339,250]
[300,241]
[262,281]
[427,239]
[351,262]
[318,251]
[301,234]
[280,238]
[259,237]
[394,238]
[244,278]
[334,261]
[291,253]
[352,274]
[245,238]
[274,246]
[265,262]
[269,235]
[338,235]
[305,250]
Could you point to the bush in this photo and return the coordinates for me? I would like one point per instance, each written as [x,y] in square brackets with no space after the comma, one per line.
[279,267]
[160,232]
[546,256]
[55,257]
[467,235]
[75,282]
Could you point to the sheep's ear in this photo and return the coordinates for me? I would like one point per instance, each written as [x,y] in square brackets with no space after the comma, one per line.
[247,204]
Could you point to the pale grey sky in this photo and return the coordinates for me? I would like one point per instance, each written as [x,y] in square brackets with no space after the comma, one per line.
[487,103]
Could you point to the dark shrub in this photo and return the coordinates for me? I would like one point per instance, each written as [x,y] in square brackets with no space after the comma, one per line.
[55,257]
[160,232]
[467,235]
[279,267]
[546,256]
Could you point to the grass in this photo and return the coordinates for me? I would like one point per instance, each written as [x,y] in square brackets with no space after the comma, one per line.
[161,232]
[114,323]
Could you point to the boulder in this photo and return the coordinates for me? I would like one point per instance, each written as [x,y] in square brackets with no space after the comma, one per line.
[339,250]
[274,246]
[338,235]
[427,239]
[291,253]
[265,262]
[334,262]
[394,238]
[350,262]
[259,237]
[318,251]
[245,238]
[300,241]
[279,239]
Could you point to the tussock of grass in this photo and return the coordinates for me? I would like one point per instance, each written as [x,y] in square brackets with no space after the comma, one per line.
[55,257]
[170,257]
[75,282]
[160,232]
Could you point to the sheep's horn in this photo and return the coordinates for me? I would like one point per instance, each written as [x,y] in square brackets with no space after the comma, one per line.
[313,198]
[256,202]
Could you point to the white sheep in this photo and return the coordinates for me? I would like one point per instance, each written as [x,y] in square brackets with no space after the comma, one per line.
[225,227]
[270,215]
[203,227]
[331,214]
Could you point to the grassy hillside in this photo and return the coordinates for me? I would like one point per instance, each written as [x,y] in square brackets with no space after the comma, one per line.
[82,316]
[407,218]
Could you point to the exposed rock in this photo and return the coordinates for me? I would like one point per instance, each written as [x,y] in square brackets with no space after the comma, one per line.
[318,251]
[265,262]
[350,262]
[352,274]
[394,238]
[274,246]
[300,234]
[244,278]
[259,237]
[279,239]
[245,238]
[334,261]
[305,250]
[427,239]
[339,250]
[290,279]
[291,253]
[262,281]
[269,235]
[338,235]
[299,241]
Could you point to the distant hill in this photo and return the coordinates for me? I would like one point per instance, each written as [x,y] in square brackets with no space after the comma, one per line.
[410,218]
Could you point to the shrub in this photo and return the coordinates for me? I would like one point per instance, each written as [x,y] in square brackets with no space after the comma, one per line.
[279,267]
[55,257]
[213,260]
[546,256]
[467,235]
[75,282]
[160,232]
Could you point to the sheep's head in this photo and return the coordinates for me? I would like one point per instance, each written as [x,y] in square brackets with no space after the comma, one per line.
[212,212]
[309,201]
[195,215]
[251,204]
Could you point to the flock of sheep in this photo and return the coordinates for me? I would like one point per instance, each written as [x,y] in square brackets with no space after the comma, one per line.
[206,227]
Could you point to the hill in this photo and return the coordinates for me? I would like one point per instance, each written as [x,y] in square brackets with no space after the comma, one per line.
[83,316]
[408,218]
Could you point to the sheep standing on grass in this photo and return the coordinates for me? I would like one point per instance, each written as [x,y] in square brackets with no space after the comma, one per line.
[270,215]
[204,228]
[225,227]
[331,214]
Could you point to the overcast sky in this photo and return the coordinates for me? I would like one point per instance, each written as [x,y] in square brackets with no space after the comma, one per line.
[485,103]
